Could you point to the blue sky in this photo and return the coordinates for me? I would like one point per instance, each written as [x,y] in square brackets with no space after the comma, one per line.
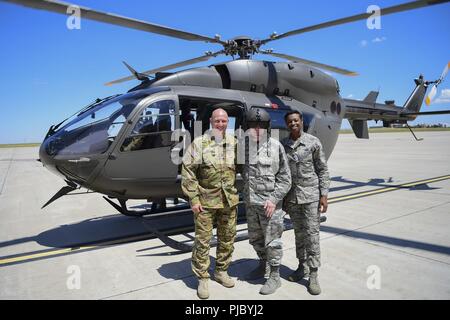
[49,72]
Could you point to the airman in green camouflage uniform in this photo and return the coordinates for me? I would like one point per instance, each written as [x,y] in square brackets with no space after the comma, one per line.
[307,197]
[267,179]
[208,180]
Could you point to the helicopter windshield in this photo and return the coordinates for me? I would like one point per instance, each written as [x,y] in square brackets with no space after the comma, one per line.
[94,130]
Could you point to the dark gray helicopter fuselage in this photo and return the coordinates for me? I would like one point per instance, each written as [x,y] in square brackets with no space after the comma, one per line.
[104,165]
[285,83]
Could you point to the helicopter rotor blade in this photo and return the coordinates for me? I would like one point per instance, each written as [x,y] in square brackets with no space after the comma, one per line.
[383,12]
[431,95]
[205,57]
[444,73]
[433,91]
[311,63]
[87,13]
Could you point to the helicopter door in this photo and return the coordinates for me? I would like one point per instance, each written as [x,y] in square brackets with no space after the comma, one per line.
[145,150]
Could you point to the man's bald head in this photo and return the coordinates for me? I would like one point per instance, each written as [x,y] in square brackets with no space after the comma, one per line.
[219,120]
[219,112]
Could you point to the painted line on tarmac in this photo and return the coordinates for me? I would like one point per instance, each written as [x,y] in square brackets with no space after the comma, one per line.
[7,171]
[28,257]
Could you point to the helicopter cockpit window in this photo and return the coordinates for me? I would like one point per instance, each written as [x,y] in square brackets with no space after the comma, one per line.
[153,128]
[93,131]
[277,121]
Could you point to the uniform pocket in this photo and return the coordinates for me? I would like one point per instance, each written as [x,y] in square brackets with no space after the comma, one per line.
[265,183]
[265,168]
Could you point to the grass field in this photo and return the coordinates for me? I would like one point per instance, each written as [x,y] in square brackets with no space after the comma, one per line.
[382,130]
[20,145]
[345,131]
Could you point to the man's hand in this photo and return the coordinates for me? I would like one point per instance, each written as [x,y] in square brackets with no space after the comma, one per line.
[323,204]
[269,207]
[197,208]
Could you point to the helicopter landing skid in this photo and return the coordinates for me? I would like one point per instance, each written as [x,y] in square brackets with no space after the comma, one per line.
[124,210]
[182,247]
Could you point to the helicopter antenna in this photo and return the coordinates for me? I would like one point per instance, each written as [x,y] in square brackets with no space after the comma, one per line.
[137,75]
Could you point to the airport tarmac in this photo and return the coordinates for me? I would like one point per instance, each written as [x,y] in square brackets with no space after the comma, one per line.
[387,234]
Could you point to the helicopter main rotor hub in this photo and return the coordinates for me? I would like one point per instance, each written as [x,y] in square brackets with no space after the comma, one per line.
[242,46]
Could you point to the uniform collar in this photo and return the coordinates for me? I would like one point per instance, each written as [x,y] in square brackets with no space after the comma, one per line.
[294,144]
[227,139]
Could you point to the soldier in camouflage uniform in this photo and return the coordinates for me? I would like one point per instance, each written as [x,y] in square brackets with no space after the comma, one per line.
[307,197]
[267,179]
[208,180]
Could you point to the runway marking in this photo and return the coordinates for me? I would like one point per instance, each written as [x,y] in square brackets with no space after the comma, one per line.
[52,252]
[7,171]
[20,258]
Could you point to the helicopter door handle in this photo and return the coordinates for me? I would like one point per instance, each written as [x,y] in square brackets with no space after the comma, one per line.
[79,160]
[175,150]
[112,157]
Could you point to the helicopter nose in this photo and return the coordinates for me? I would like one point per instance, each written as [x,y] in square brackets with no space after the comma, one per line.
[77,168]
[46,158]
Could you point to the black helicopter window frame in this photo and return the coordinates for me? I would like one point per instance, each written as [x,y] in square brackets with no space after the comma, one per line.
[203,108]
[93,131]
[277,114]
[308,118]
[149,140]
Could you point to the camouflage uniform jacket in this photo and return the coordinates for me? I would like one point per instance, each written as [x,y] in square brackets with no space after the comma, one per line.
[209,172]
[266,174]
[310,177]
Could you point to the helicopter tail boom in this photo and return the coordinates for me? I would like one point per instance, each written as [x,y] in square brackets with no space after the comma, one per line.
[359,111]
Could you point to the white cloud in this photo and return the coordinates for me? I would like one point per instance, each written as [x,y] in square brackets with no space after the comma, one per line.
[444,97]
[378,39]
[350,95]
[365,43]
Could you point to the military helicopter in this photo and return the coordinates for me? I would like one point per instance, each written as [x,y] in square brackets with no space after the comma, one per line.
[121,146]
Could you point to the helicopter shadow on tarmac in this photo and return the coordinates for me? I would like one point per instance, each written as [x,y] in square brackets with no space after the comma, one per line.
[103,231]
[375,182]
[98,230]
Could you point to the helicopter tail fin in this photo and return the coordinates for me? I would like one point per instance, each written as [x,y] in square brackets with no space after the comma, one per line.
[415,100]
[371,97]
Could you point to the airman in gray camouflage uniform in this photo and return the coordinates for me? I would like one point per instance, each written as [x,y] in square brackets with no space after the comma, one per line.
[307,197]
[267,179]
[208,180]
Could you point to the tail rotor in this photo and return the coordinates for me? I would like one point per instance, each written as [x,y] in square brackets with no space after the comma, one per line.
[435,83]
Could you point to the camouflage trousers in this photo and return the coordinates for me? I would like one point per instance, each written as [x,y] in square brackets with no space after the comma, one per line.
[265,233]
[306,221]
[226,233]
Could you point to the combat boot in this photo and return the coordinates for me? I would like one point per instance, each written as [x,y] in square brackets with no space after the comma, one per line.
[223,278]
[273,283]
[313,285]
[301,272]
[262,270]
[202,290]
